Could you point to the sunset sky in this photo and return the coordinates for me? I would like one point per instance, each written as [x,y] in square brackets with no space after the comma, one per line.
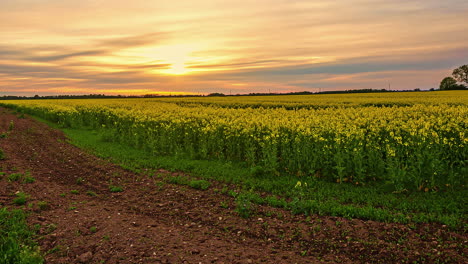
[50,47]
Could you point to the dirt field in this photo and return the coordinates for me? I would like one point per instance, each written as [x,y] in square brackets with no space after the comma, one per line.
[152,221]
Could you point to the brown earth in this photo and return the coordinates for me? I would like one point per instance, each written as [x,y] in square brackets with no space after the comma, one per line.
[152,221]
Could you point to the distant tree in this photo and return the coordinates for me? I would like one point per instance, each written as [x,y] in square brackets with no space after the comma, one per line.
[216,94]
[448,83]
[461,74]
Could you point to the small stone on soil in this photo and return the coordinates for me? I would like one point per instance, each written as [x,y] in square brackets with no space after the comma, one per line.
[85,257]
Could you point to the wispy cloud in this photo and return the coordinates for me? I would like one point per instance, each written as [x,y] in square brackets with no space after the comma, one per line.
[130,41]
[67,55]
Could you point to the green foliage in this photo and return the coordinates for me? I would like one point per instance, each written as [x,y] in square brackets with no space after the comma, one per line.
[25,178]
[29,179]
[91,193]
[299,204]
[448,83]
[79,181]
[43,205]
[2,154]
[16,239]
[245,204]
[276,202]
[199,184]
[178,180]
[183,180]
[461,73]
[11,126]
[21,198]
[50,228]
[15,177]
[114,188]
[75,192]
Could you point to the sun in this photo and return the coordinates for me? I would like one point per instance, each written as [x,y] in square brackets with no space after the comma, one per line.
[177,68]
[175,56]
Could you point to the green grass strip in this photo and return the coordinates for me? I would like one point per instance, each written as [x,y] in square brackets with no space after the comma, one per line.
[16,239]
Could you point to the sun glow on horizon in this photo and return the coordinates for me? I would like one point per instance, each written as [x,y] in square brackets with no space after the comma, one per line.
[177,68]
[176,56]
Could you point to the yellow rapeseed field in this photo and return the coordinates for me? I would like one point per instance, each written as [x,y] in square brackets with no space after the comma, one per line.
[414,140]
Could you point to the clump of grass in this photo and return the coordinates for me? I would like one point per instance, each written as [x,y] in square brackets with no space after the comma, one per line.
[25,178]
[21,198]
[74,192]
[178,180]
[93,229]
[114,188]
[199,184]
[50,228]
[91,193]
[11,126]
[196,184]
[16,243]
[55,249]
[2,155]
[244,204]
[79,181]
[43,205]
[15,177]
[29,179]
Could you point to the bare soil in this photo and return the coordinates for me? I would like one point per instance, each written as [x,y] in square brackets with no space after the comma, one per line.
[152,221]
